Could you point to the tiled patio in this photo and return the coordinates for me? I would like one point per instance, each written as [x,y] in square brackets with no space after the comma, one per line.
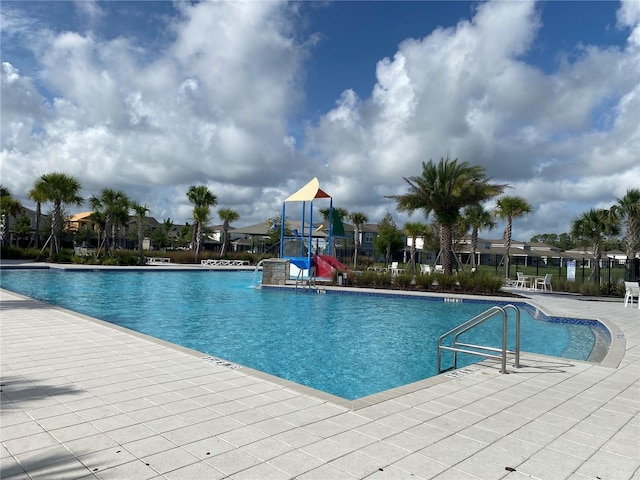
[84,399]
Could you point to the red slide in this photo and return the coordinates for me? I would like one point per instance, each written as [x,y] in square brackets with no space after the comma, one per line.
[325,264]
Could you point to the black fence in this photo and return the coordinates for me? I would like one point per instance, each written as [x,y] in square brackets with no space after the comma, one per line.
[612,272]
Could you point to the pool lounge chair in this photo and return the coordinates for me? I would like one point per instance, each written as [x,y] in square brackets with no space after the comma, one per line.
[631,290]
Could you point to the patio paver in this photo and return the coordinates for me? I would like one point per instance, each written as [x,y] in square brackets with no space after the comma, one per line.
[82,399]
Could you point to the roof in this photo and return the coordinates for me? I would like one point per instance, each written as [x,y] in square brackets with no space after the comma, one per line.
[79,216]
[263,229]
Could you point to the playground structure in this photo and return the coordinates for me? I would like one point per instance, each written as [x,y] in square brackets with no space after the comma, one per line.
[298,248]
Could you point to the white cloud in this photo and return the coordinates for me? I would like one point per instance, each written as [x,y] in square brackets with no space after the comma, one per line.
[214,107]
[210,109]
[465,92]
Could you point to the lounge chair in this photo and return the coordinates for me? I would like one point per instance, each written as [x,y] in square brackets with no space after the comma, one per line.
[631,290]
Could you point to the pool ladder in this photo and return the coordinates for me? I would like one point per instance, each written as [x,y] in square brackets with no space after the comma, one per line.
[481,350]
[311,281]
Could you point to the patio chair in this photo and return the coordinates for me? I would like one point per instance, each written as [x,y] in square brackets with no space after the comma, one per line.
[631,290]
[544,283]
[521,282]
[395,270]
[425,269]
[439,269]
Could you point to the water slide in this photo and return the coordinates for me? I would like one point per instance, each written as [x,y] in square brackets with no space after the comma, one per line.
[325,264]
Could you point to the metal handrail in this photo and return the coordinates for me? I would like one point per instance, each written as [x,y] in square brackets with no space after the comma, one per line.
[474,322]
[311,282]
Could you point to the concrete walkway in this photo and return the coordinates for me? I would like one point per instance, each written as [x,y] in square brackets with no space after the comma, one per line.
[84,399]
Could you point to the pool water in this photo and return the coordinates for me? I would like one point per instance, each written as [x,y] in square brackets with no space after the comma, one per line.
[344,344]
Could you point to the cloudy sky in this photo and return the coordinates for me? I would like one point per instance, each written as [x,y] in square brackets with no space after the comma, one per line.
[254,99]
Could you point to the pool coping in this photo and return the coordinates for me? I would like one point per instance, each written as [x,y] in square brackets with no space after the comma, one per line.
[616,351]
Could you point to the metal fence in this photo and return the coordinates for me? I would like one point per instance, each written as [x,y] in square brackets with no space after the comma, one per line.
[612,272]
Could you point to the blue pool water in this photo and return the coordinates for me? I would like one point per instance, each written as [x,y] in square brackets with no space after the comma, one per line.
[344,344]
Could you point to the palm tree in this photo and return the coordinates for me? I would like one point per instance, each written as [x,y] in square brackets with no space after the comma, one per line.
[113,206]
[593,226]
[477,218]
[341,212]
[413,231]
[60,189]
[444,189]
[227,216]
[9,207]
[200,219]
[358,219]
[628,208]
[510,208]
[140,212]
[201,197]
[37,195]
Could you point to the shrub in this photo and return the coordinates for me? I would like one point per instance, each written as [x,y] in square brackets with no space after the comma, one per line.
[446,282]
[111,261]
[404,280]
[17,253]
[424,281]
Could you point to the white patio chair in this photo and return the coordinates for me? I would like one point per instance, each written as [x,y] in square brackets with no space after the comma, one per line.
[425,269]
[544,283]
[439,269]
[521,282]
[631,290]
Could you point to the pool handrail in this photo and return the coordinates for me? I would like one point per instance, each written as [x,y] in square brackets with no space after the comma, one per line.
[473,322]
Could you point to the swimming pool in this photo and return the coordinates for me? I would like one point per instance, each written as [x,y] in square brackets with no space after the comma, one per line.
[349,345]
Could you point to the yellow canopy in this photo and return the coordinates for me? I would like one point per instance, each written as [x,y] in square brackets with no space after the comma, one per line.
[308,193]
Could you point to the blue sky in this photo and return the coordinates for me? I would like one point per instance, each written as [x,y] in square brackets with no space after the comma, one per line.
[254,99]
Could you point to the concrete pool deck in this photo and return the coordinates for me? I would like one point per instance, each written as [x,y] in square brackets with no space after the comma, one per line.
[84,399]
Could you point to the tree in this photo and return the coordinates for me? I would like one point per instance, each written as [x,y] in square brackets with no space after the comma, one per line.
[203,199]
[111,209]
[593,226]
[413,231]
[510,208]
[358,219]
[140,212]
[227,216]
[9,207]
[389,239]
[37,194]
[60,189]
[444,189]
[477,218]
[21,229]
[160,235]
[200,219]
[628,209]
[341,212]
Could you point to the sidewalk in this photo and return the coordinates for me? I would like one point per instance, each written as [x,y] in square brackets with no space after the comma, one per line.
[83,399]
